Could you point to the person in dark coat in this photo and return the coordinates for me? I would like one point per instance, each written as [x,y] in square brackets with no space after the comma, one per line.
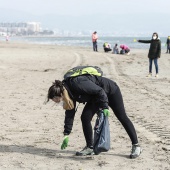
[154,52]
[168,44]
[97,93]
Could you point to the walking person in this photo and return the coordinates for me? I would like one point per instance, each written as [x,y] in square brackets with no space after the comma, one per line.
[97,93]
[154,52]
[94,40]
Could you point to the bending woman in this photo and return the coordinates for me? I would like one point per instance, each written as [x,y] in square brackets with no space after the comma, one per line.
[97,93]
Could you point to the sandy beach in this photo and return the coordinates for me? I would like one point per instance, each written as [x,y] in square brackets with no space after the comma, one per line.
[31,132]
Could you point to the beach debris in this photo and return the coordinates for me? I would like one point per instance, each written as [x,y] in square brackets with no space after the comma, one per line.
[102,163]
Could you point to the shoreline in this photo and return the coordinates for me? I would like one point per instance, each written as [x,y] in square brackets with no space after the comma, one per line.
[82,41]
[78,36]
[57,45]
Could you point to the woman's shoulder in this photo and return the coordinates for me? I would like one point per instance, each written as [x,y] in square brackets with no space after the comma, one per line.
[106,79]
[158,41]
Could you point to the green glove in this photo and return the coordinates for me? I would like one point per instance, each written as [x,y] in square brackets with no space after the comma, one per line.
[65,142]
[106,112]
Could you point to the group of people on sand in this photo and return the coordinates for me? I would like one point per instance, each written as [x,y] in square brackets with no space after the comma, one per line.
[107,47]
[124,49]
[154,50]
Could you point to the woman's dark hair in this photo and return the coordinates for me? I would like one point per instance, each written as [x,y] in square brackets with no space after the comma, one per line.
[55,90]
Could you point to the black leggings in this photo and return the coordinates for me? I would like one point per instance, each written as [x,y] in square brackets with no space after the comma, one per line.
[116,104]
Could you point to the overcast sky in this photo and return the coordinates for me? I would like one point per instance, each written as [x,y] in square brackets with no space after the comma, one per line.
[136,13]
[81,7]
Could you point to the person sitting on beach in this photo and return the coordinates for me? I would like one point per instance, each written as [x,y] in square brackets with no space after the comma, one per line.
[107,47]
[154,52]
[124,49]
[94,40]
[116,49]
[97,93]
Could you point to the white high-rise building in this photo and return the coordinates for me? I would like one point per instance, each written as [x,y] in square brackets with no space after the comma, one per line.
[33,26]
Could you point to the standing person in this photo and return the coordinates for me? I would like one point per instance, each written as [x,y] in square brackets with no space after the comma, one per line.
[97,93]
[7,38]
[168,44]
[94,40]
[124,49]
[154,52]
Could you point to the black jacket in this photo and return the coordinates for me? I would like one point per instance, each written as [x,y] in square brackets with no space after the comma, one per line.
[84,89]
[155,48]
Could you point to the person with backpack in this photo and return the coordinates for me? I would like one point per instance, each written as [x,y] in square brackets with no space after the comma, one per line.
[154,52]
[86,85]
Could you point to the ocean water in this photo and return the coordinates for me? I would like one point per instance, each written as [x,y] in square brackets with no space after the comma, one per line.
[86,41]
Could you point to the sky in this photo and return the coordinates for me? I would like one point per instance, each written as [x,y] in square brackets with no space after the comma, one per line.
[106,15]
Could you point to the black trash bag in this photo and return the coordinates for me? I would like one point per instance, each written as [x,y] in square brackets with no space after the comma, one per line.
[101,134]
[122,51]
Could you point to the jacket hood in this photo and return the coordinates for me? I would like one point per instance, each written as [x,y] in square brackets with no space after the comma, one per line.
[155,33]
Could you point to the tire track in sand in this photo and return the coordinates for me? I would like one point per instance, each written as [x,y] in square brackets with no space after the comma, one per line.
[153,130]
[76,62]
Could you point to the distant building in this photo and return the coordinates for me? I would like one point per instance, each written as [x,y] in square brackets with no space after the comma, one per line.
[21,28]
[33,26]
